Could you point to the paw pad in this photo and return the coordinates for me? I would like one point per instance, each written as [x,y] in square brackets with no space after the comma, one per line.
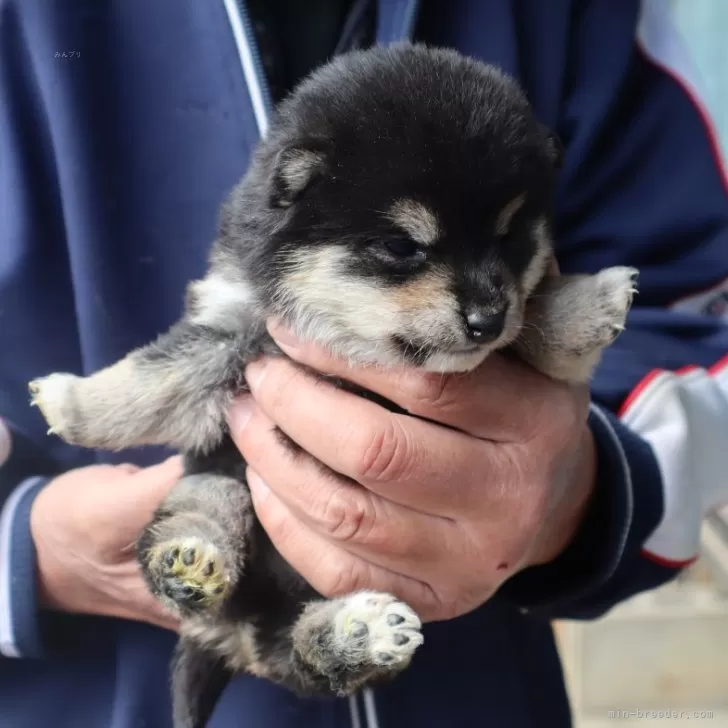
[377,628]
[192,572]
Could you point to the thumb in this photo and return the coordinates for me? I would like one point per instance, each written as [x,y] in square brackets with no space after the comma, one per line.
[161,477]
[142,494]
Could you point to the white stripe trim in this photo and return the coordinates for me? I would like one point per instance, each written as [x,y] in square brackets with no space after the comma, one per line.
[660,38]
[629,494]
[354,712]
[662,42]
[684,418]
[370,708]
[8,648]
[245,55]
[6,442]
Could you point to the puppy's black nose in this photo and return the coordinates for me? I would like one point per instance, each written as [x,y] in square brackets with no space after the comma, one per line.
[483,327]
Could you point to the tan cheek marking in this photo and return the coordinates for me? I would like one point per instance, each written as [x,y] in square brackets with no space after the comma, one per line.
[417,220]
[537,268]
[430,291]
[327,303]
[506,214]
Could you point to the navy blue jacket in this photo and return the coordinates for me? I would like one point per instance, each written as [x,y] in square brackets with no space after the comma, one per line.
[124,124]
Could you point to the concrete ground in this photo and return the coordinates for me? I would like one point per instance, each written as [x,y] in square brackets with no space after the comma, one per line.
[662,657]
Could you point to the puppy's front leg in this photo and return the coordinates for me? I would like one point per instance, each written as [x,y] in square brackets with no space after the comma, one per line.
[570,319]
[172,392]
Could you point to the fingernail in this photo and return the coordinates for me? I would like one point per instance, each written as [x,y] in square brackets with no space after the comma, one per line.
[240,413]
[258,488]
[282,336]
[255,372]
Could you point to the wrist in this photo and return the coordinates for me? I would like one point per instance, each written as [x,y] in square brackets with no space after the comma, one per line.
[51,583]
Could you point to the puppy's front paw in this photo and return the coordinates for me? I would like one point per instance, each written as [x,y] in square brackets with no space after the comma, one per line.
[189,572]
[613,291]
[55,396]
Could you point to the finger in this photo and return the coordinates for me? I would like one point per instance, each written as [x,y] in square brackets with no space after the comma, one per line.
[158,615]
[162,476]
[394,456]
[340,510]
[404,545]
[330,570]
[496,401]
[141,495]
[149,611]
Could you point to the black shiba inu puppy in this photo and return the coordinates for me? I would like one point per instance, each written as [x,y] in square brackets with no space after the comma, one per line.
[399,211]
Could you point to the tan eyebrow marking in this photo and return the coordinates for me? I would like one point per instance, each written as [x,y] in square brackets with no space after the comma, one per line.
[506,214]
[416,219]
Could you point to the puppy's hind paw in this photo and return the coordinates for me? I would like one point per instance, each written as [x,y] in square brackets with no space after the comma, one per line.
[190,573]
[54,395]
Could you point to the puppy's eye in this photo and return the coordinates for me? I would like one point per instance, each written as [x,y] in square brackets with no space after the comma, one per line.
[404,248]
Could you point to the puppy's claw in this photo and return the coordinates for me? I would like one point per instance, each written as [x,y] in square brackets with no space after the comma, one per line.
[53,396]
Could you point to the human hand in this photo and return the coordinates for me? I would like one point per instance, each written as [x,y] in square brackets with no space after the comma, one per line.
[84,524]
[439,512]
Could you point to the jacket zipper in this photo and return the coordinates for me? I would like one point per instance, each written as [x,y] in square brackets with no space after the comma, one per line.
[250,62]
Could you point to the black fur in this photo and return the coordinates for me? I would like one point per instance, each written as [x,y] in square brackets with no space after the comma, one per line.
[307,237]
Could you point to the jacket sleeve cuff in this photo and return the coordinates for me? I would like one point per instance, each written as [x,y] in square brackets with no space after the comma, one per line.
[20,623]
[602,565]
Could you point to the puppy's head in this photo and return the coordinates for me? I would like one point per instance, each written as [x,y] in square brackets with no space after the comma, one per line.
[408,193]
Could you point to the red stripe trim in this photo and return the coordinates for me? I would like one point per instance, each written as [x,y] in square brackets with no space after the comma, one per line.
[636,393]
[719,366]
[668,563]
[638,390]
[687,369]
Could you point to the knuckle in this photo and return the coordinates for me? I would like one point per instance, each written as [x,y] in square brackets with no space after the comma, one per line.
[347,519]
[428,391]
[382,454]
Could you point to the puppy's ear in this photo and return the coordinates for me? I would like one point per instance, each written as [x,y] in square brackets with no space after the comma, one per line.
[296,167]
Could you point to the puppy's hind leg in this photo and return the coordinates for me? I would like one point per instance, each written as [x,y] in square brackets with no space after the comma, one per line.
[193,551]
[569,320]
[172,392]
[337,646]
[198,680]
